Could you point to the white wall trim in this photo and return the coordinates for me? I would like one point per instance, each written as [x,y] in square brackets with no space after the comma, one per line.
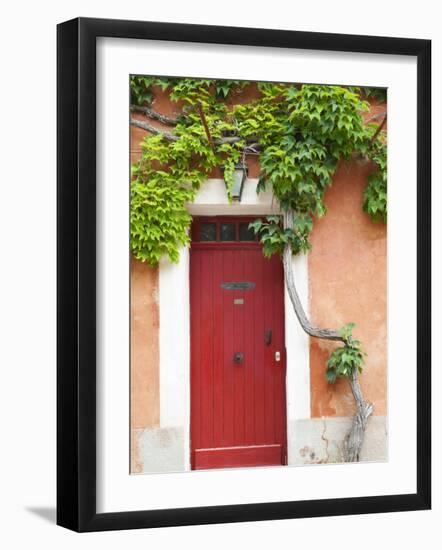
[174,344]
[212,200]
[297,344]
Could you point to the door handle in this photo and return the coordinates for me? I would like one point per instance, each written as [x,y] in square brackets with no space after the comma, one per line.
[238,357]
[268,337]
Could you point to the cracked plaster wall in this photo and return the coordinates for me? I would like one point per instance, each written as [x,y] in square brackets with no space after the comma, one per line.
[320,440]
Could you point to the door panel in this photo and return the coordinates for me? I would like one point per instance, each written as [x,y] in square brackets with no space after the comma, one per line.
[237,407]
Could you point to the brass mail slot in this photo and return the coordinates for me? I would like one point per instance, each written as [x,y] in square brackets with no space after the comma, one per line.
[240,285]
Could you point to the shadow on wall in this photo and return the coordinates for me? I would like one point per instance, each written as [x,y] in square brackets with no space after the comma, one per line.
[47,513]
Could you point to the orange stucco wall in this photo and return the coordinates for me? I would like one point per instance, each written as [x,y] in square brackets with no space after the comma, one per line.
[348,282]
[144,336]
[145,402]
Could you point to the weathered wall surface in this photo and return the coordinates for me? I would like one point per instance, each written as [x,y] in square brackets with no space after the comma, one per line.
[145,406]
[348,282]
[321,440]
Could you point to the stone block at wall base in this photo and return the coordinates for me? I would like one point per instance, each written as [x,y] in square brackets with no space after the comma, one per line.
[157,450]
[310,441]
[320,440]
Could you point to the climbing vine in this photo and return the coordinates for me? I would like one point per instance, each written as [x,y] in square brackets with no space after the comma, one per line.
[375,195]
[347,359]
[300,133]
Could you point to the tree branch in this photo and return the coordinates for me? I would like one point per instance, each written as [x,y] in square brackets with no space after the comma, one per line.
[375,117]
[379,128]
[153,130]
[355,438]
[148,111]
[206,127]
[252,148]
[311,330]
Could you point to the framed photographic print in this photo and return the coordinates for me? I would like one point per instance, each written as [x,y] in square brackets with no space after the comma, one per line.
[243,274]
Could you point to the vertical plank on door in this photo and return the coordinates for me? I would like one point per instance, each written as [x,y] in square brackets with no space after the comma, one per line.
[218,349]
[259,352]
[195,349]
[238,347]
[249,349]
[269,352]
[228,328]
[207,336]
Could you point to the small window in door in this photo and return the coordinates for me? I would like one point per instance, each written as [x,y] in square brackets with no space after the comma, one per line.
[208,232]
[227,232]
[246,234]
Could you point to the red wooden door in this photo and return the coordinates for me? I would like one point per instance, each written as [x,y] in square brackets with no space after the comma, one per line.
[238,415]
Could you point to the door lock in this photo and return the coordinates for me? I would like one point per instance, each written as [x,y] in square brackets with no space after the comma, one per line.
[277,356]
[238,357]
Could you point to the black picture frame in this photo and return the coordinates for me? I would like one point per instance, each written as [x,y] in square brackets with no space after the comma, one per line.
[76,274]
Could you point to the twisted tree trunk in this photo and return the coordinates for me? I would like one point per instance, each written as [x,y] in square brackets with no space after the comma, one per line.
[355,438]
